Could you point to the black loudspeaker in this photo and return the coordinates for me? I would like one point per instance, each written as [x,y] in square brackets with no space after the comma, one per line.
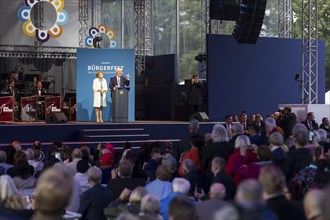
[56,118]
[200,116]
[250,19]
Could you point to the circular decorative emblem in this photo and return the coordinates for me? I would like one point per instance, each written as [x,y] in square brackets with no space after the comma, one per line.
[121,92]
[96,32]
[29,29]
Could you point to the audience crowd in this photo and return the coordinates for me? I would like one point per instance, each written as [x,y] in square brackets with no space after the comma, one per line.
[269,169]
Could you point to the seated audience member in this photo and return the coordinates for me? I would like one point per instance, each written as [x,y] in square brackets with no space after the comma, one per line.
[255,137]
[312,205]
[3,164]
[37,165]
[128,202]
[279,150]
[249,204]
[171,163]
[273,181]
[23,178]
[196,178]
[218,146]
[326,125]
[185,144]
[310,122]
[7,188]
[271,127]
[106,160]
[151,167]
[206,209]
[241,141]
[94,200]
[82,176]
[38,154]
[124,180]
[76,156]
[181,187]
[11,150]
[53,193]
[17,204]
[150,207]
[86,154]
[197,143]
[160,187]
[181,208]
[220,176]
[236,131]
[300,157]
[244,170]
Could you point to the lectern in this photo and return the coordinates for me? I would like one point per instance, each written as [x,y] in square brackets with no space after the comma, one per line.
[120,105]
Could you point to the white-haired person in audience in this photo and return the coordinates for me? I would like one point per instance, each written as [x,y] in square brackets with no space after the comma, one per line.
[299,156]
[181,187]
[161,186]
[196,178]
[76,156]
[218,146]
[94,200]
[171,163]
[150,206]
[271,127]
[53,193]
[4,166]
[207,208]
[7,188]
[37,165]
[128,202]
[250,156]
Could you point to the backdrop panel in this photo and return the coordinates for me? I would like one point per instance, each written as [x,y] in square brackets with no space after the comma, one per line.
[255,78]
[90,61]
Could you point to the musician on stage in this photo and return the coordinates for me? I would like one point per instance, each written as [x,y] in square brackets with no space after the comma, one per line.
[39,90]
[12,91]
[40,104]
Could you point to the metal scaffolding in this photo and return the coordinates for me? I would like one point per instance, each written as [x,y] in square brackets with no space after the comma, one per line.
[142,22]
[83,18]
[37,52]
[285,18]
[206,28]
[309,75]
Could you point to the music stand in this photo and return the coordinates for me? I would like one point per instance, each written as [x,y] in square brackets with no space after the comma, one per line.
[30,77]
[68,96]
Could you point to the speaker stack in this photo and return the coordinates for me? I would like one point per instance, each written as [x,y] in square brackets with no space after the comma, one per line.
[249,22]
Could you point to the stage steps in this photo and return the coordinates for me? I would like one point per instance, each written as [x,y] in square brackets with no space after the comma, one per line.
[114,135]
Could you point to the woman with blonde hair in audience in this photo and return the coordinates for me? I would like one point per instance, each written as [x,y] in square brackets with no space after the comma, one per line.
[7,188]
[128,201]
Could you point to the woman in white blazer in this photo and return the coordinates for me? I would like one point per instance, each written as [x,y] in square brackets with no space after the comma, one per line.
[100,91]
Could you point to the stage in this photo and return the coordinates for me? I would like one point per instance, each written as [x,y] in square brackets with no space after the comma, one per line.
[75,134]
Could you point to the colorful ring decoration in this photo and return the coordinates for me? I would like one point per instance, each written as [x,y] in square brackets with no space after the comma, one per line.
[24,14]
[94,32]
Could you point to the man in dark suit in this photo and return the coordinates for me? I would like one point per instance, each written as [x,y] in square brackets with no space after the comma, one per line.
[117,185]
[96,199]
[310,122]
[118,81]
[273,181]
[207,208]
[196,178]
[220,176]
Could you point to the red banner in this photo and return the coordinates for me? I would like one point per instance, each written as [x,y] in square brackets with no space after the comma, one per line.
[6,108]
[73,109]
[53,104]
